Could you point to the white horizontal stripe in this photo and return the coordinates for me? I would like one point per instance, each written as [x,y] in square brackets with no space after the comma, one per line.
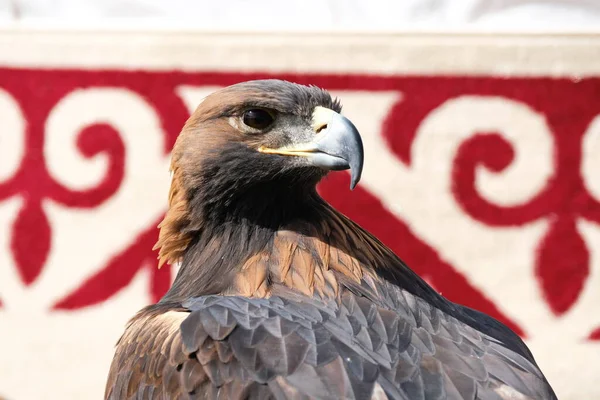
[576,55]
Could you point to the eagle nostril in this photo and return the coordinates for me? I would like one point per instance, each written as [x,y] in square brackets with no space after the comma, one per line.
[319,129]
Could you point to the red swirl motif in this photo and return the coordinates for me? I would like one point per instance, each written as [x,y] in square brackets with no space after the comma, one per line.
[562,255]
[562,262]
[31,239]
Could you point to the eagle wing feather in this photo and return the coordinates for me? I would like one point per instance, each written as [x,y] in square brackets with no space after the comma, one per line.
[293,346]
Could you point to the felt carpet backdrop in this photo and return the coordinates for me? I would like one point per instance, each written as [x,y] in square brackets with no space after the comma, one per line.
[482,171]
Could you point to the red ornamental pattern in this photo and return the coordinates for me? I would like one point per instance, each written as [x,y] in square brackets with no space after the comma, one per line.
[562,262]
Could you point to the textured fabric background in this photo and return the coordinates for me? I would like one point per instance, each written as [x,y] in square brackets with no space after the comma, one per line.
[482,171]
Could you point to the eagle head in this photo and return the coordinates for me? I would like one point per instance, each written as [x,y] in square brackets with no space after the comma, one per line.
[255,150]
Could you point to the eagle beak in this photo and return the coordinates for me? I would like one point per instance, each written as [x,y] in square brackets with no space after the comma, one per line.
[336,146]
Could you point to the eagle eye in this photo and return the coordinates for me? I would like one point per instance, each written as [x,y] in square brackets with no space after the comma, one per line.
[258,118]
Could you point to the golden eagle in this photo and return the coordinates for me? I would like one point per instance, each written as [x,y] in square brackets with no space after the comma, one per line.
[279,296]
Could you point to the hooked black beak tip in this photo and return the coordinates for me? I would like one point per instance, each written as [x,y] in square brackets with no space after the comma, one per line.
[342,140]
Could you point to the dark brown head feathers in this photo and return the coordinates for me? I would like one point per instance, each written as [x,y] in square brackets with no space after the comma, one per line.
[282,96]
[214,165]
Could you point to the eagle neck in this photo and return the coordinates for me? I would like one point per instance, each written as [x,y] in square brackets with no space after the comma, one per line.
[229,236]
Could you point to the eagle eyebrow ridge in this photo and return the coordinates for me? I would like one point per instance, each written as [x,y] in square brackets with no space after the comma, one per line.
[239,108]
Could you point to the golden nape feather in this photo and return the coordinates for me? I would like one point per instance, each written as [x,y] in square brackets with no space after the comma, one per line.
[172,240]
[278,295]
